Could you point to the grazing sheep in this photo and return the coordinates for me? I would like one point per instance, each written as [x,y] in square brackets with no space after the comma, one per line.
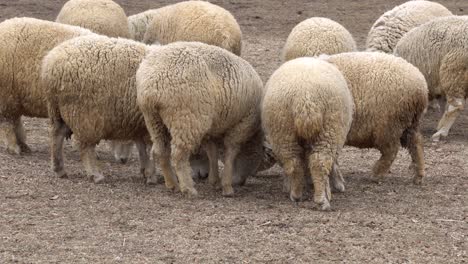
[390,97]
[91,91]
[193,21]
[104,17]
[392,25]
[193,94]
[24,42]
[440,50]
[306,114]
[315,36]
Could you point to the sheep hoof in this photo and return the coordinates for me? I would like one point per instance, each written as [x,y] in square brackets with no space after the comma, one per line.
[228,191]
[438,136]
[98,178]
[339,187]
[417,180]
[61,174]
[24,148]
[152,180]
[295,198]
[14,150]
[325,206]
[190,192]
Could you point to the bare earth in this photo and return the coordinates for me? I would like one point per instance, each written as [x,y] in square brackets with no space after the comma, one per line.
[48,220]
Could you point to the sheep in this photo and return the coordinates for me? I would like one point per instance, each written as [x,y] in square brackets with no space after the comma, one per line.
[390,98]
[193,21]
[306,115]
[91,91]
[439,49]
[24,42]
[315,36]
[195,94]
[103,17]
[393,24]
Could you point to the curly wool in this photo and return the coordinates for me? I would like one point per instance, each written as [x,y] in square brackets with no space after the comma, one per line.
[100,16]
[24,43]
[377,80]
[306,115]
[138,23]
[394,24]
[316,36]
[194,21]
[196,92]
[91,89]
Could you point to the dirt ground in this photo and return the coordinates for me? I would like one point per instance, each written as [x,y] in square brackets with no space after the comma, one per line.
[48,220]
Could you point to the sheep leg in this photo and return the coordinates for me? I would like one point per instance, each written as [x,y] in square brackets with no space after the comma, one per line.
[21,136]
[160,149]
[9,135]
[321,164]
[58,133]
[180,158]
[146,164]
[290,155]
[415,148]
[90,162]
[231,152]
[212,151]
[337,179]
[382,166]
[453,109]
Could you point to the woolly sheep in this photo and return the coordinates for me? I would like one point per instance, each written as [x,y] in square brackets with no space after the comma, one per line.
[376,80]
[315,36]
[393,24]
[194,94]
[306,115]
[91,90]
[440,50]
[194,21]
[100,16]
[24,42]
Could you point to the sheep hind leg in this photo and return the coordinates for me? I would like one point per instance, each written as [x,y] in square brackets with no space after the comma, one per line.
[58,132]
[453,109]
[21,136]
[212,152]
[337,180]
[90,162]
[382,166]
[415,148]
[321,165]
[146,164]
[8,129]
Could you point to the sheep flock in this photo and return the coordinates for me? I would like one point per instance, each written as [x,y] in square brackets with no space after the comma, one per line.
[172,82]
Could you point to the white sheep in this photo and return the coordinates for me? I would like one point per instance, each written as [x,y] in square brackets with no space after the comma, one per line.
[193,94]
[306,114]
[315,36]
[100,16]
[192,21]
[393,24]
[390,97]
[91,91]
[439,49]
[24,42]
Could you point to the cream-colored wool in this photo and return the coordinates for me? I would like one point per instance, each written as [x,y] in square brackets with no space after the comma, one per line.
[315,36]
[104,17]
[193,21]
[392,25]
[306,115]
[390,97]
[138,23]
[191,95]
[91,90]
[440,50]
[24,42]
